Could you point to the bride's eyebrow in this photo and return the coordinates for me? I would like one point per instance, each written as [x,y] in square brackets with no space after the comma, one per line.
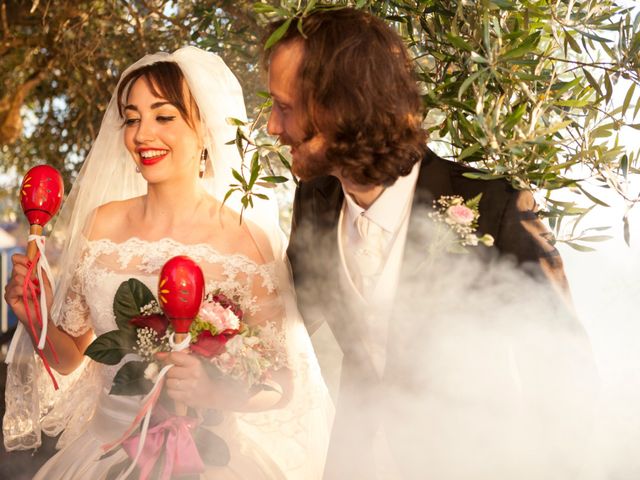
[153,106]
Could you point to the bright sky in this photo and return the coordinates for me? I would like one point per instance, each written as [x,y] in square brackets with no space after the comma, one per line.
[606,291]
[605,283]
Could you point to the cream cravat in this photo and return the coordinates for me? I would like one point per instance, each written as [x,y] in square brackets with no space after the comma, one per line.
[368,254]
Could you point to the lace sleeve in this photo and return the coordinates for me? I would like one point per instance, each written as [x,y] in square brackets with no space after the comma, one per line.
[74,316]
[33,406]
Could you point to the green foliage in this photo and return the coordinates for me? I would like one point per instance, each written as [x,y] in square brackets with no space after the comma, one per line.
[109,348]
[522,89]
[129,299]
[253,141]
[60,62]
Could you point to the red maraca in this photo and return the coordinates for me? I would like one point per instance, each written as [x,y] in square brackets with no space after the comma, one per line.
[181,291]
[40,196]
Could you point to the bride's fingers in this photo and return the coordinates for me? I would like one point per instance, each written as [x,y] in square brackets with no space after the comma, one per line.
[183,359]
[13,294]
[20,262]
[179,384]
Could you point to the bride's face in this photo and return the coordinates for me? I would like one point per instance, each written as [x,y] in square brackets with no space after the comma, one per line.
[161,142]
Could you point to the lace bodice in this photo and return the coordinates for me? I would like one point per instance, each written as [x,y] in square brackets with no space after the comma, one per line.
[104,265]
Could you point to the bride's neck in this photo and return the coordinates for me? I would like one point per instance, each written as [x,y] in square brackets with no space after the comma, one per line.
[169,205]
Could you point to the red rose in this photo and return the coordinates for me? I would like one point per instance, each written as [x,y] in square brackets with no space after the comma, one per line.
[156,322]
[208,345]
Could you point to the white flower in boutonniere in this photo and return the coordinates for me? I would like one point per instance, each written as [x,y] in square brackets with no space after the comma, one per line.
[461,221]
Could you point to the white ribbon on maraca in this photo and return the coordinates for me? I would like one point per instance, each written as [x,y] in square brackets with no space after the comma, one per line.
[43,267]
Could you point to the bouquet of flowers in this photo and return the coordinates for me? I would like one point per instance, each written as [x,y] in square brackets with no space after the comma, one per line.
[218,335]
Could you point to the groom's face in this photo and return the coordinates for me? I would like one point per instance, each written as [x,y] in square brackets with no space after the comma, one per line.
[288,118]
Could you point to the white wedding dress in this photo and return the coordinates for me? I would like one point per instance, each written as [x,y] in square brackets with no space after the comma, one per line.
[283,443]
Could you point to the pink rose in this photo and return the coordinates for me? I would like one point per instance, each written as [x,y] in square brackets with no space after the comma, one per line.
[220,317]
[461,214]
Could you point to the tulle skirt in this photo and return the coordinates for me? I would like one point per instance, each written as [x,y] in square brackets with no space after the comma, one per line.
[84,457]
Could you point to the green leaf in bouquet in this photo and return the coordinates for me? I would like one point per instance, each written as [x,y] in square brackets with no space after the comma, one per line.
[130,380]
[131,296]
[109,348]
[474,203]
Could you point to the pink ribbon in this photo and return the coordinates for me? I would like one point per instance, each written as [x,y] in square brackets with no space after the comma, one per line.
[181,455]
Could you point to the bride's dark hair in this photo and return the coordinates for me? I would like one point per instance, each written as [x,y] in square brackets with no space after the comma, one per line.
[166,80]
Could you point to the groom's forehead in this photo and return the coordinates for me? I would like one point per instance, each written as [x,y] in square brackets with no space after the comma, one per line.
[284,67]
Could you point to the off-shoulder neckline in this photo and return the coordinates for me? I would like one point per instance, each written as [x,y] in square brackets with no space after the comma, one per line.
[173,242]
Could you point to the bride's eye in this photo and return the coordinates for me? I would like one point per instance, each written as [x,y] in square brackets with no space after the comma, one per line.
[130,121]
[165,119]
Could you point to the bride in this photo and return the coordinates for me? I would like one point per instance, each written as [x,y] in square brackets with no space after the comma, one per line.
[152,188]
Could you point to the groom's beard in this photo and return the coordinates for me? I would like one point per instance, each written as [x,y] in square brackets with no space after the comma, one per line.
[309,159]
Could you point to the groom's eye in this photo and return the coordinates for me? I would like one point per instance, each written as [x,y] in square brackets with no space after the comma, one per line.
[282,107]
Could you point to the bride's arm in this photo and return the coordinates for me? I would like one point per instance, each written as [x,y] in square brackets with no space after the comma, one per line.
[69,349]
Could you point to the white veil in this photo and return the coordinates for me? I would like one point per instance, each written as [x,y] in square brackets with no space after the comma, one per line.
[109,174]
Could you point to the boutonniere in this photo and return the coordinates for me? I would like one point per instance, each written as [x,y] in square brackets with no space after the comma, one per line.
[456,222]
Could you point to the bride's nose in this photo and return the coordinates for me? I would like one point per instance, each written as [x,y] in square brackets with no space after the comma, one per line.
[144,132]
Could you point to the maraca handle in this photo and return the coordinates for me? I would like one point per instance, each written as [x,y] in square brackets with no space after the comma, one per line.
[32,247]
[181,408]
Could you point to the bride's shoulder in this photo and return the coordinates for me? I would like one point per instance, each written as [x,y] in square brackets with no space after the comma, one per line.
[110,218]
[231,234]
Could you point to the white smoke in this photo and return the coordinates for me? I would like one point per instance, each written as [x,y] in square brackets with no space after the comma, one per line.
[496,379]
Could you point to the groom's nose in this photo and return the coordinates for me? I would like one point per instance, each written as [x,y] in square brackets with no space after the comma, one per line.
[274,124]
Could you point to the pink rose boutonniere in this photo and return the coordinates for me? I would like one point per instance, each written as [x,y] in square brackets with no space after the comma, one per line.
[460,219]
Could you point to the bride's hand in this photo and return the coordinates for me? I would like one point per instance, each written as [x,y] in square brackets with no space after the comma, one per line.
[187,381]
[15,287]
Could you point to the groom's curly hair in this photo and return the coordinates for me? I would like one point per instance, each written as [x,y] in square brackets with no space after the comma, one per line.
[359,89]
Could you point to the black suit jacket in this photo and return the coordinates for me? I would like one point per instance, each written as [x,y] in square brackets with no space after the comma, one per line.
[505,213]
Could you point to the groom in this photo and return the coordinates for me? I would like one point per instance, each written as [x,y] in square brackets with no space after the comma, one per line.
[345,100]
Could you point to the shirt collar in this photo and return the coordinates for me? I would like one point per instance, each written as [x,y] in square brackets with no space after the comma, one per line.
[384,212]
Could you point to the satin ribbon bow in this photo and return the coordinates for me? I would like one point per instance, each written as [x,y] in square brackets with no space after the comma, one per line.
[181,455]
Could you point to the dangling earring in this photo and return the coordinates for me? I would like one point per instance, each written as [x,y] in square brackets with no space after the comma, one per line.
[203,162]
[137,169]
